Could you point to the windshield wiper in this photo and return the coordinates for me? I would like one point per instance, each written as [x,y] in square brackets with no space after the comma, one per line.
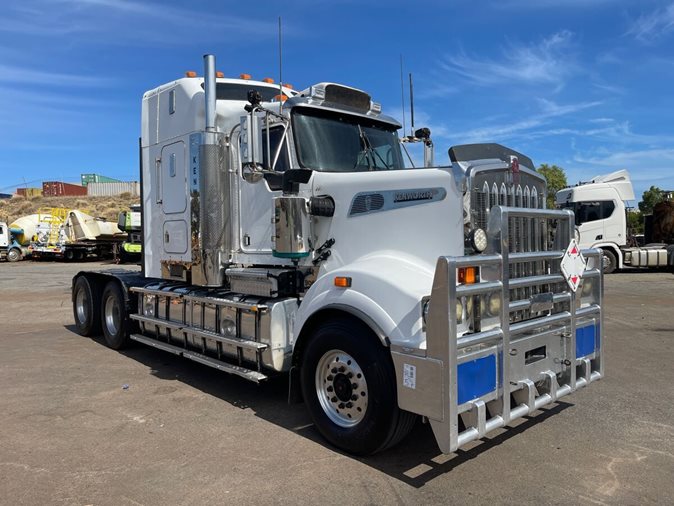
[369,151]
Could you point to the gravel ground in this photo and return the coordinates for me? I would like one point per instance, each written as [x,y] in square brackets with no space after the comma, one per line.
[182,433]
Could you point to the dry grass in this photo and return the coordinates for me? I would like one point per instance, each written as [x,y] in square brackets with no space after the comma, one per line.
[99,207]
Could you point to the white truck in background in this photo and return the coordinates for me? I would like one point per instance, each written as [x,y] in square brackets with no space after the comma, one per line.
[282,233]
[600,211]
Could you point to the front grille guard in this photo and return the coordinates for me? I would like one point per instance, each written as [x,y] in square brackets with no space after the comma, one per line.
[511,399]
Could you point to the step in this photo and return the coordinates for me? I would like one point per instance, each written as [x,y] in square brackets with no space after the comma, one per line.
[179,327]
[248,374]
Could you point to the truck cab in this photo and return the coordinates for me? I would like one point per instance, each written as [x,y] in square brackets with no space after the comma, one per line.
[600,214]
[10,249]
[283,233]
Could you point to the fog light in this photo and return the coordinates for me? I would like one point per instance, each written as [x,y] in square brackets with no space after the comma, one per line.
[477,239]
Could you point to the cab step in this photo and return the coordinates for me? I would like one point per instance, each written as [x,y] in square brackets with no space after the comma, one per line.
[247,374]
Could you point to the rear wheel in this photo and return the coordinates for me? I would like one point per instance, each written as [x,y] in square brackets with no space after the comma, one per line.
[87,307]
[69,254]
[348,383]
[114,317]
[609,261]
[14,255]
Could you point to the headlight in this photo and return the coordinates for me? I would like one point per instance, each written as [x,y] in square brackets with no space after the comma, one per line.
[227,327]
[495,304]
[148,305]
[490,305]
[587,288]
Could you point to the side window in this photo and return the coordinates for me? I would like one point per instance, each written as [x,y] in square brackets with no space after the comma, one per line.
[593,211]
[607,208]
[276,136]
[588,211]
[1,231]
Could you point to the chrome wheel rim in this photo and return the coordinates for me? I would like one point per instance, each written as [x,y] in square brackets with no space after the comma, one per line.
[341,388]
[112,315]
[82,306]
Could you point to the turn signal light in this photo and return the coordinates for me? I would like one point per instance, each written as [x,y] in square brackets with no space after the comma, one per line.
[342,282]
[190,73]
[467,275]
[244,76]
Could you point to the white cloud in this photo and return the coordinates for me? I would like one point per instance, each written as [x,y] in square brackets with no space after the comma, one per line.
[23,75]
[651,27]
[122,21]
[546,62]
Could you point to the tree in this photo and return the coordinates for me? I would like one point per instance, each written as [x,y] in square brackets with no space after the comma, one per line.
[556,180]
[649,199]
[635,223]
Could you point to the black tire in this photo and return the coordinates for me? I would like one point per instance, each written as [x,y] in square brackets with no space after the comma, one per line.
[609,262]
[79,255]
[362,420]
[14,255]
[114,317]
[87,307]
[69,255]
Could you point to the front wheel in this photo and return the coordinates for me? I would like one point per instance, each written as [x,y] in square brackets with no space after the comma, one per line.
[348,383]
[609,261]
[114,317]
[14,255]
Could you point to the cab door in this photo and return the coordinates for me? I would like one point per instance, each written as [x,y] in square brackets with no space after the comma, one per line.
[256,194]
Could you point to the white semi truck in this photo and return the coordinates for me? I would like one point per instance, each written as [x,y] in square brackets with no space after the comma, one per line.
[600,211]
[282,233]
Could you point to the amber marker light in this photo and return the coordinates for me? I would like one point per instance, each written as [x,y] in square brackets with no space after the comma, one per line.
[219,74]
[190,73]
[245,76]
[467,275]
[268,80]
[342,282]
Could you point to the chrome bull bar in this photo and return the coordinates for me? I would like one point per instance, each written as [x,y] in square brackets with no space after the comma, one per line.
[468,385]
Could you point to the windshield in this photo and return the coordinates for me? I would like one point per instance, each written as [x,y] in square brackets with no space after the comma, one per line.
[337,142]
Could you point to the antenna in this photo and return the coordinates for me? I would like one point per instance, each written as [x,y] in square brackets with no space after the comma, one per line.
[280,66]
[411,106]
[402,93]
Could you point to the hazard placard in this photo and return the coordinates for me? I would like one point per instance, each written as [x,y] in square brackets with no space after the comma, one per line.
[573,265]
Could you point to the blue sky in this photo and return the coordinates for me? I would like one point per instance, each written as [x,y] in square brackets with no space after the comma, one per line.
[584,84]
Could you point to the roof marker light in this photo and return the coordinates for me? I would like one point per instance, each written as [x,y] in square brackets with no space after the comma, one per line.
[219,74]
[245,76]
[268,80]
[190,73]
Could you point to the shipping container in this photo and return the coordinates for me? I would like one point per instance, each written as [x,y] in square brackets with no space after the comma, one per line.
[29,192]
[97,178]
[111,189]
[60,189]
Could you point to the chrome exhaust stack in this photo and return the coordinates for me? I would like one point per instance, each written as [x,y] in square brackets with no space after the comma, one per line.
[213,222]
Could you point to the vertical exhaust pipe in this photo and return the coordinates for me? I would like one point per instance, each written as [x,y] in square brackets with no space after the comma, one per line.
[209,91]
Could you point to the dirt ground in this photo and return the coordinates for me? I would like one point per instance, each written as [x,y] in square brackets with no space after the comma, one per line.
[182,433]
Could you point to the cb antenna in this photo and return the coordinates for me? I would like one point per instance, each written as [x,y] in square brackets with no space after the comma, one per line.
[402,93]
[280,67]
[411,106]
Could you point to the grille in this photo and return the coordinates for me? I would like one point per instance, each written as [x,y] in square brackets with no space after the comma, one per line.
[366,203]
[525,234]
